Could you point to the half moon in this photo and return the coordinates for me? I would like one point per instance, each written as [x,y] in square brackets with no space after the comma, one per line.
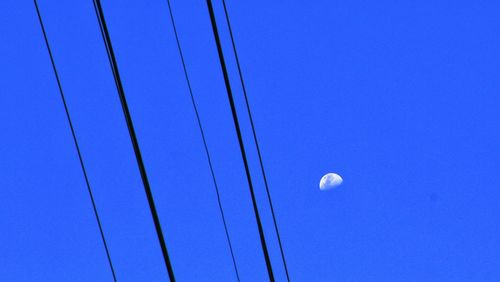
[330,181]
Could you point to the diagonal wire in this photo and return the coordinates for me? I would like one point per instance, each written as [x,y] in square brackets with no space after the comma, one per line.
[140,163]
[240,139]
[255,138]
[193,101]
[76,143]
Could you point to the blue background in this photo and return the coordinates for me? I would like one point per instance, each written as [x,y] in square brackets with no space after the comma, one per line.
[399,97]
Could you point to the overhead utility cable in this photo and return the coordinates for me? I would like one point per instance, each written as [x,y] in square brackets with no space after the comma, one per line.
[203,138]
[240,139]
[133,137]
[255,138]
[89,189]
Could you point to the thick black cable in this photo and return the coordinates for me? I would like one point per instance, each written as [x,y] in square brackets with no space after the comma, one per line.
[198,119]
[133,137]
[240,138]
[255,137]
[80,158]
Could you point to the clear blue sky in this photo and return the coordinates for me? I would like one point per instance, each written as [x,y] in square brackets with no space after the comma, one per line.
[399,97]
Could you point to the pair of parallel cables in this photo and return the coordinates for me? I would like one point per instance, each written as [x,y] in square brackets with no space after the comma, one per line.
[133,137]
[240,139]
[131,130]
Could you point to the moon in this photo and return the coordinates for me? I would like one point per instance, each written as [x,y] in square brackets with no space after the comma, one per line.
[330,181]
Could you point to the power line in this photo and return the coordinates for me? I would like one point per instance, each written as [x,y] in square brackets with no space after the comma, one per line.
[240,139]
[89,189]
[133,137]
[255,137]
[203,138]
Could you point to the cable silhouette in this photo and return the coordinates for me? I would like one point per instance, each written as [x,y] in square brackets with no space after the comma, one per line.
[255,137]
[133,137]
[240,138]
[73,134]
[198,119]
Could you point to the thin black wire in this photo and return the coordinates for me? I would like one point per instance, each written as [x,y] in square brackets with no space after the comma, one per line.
[255,138]
[89,189]
[240,139]
[133,137]
[203,138]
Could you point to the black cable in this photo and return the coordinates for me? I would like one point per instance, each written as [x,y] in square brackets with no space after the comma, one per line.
[89,189]
[203,138]
[133,137]
[240,139]
[255,138]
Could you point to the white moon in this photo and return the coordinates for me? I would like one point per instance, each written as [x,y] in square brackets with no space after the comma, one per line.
[330,181]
